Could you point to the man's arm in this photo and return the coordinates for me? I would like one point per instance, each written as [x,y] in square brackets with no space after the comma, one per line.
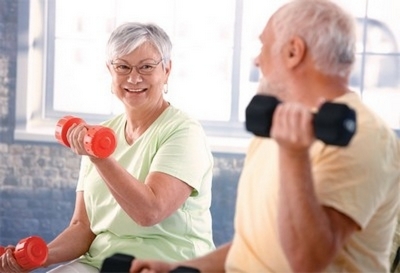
[311,235]
[212,262]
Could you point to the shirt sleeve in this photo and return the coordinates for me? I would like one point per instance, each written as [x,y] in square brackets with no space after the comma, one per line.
[352,179]
[185,154]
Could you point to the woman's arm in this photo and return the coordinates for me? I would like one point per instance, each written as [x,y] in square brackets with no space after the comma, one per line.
[75,240]
[146,203]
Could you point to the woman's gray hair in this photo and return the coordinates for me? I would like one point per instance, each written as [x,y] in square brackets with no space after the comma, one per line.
[129,36]
[328,31]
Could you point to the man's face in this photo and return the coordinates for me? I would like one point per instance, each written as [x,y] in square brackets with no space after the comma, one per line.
[270,64]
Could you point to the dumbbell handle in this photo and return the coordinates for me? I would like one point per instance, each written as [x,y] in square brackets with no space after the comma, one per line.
[121,263]
[99,141]
[30,252]
[334,124]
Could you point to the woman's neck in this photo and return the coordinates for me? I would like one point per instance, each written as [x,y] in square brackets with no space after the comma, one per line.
[138,121]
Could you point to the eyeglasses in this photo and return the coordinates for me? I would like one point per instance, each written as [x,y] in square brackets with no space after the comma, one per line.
[122,68]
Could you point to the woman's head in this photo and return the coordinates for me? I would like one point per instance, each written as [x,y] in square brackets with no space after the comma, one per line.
[129,36]
[138,58]
[328,31]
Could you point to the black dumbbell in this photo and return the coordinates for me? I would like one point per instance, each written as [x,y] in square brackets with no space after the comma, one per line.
[121,263]
[334,123]
[117,263]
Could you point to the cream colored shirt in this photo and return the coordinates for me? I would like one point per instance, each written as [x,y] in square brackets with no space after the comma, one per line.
[360,180]
[176,145]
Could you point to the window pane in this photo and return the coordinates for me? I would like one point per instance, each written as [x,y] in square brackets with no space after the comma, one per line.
[382,62]
[81,80]
[202,40]
[384,30]
[382,90]
[255,16]
[200,81]
[356,77]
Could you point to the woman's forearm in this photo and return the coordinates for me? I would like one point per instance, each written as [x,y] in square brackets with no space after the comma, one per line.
[73,242]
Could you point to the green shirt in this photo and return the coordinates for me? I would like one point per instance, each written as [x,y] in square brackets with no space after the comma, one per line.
[176,145]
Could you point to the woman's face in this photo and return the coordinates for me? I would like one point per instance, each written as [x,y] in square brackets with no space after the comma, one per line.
[138,78]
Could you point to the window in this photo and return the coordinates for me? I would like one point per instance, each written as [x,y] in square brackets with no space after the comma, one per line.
[61,62]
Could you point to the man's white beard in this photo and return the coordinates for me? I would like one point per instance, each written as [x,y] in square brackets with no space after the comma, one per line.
[265,87]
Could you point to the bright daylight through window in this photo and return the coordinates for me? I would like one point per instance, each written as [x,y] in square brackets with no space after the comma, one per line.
[62,64]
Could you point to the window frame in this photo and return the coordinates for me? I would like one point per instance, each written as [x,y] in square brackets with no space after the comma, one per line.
[35,115]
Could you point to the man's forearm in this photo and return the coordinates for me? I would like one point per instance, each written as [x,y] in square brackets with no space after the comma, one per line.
[212,262]
[303,224]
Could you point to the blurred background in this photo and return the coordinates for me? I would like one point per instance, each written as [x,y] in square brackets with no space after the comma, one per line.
[52,63]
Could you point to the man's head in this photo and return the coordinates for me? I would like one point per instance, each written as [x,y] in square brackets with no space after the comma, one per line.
[315,31]
[328,31]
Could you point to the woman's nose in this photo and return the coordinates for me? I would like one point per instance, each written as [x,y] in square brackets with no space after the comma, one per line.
[134,77]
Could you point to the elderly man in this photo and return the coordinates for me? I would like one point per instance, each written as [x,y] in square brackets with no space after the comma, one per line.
[303,205]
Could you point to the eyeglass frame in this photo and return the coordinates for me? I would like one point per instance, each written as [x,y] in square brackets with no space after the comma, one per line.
[153,65]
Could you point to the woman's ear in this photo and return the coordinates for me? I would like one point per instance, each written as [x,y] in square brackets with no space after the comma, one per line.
[295,51]
[108,67]
[168,66]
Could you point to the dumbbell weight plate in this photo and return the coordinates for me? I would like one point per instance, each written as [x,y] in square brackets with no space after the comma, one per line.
[335,124]
[117,263]
[259,114]
[31,252]
[100,141]
[62,128]
[2,250]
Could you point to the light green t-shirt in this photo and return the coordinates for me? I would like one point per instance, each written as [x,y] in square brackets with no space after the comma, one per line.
[176,145]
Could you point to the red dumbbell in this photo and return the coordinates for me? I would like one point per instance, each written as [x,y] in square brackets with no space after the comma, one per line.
[30,252]
[99,141]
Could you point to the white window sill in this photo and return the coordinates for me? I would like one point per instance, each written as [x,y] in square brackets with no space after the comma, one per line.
[44,133]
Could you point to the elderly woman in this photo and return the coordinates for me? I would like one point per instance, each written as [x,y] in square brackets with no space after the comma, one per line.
[151,197]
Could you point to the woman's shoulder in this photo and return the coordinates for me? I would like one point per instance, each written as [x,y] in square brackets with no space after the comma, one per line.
[176,115]
[175,120]
[113,122]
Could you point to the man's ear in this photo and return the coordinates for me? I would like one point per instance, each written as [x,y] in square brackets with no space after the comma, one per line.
[295,51]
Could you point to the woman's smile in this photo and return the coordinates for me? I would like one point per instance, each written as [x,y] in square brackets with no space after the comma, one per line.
[135,90]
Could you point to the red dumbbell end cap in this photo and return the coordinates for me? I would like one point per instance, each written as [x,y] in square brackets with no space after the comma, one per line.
[31,252]
[100,141]
[62,128]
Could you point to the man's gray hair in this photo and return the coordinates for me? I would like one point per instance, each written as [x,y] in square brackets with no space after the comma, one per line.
[328,31]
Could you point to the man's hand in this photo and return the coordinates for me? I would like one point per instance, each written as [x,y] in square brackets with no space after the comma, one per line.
[292,127]
[150,266]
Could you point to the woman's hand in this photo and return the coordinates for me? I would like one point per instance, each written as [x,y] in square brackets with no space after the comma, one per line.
[75,136]
[8,263]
